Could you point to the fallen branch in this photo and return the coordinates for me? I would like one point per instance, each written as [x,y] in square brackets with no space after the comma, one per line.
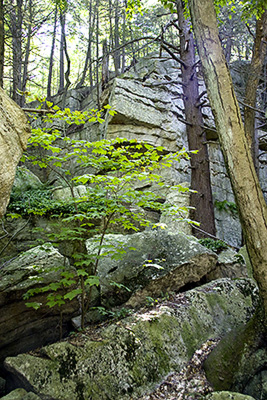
[39,111]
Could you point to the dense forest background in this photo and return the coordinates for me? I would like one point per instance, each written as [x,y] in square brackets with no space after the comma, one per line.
[47,47]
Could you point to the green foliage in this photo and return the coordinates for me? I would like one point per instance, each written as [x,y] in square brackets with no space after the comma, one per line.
[253,7]
[215,245]
[35,201]
[112,170]
[133,7]
[170,5]
[151,302]
[225,205]
[114,314]
[56,290]
[250,8]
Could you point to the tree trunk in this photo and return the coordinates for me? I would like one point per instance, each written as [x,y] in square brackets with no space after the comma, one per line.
[117,61]
[123,42]
[229,42]
[63,76]
[249,198]
[51,59]
[2,43]
[105,65]
[16,32]
[202,202]
[61,53]
[27,54]
[97,54]
[88,58]
[255,70]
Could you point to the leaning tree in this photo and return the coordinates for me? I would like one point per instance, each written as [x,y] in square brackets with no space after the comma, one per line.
[237,155]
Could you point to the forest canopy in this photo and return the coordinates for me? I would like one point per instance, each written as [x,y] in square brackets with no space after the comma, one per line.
[47,47]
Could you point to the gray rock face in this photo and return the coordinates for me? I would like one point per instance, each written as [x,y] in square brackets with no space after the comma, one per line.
[25,180]
[130,357]
[14,133]
[149,105]
[174,198]
[149,111]
[231,265]
[226,219]
[151,262]
[23,328]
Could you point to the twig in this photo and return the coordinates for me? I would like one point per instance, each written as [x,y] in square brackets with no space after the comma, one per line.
[12,237]
[174,56]
[201,94]
[252,108]
[39,111]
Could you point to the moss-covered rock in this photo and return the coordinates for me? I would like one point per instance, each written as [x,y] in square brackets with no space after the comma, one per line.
[239,362]
[228,396]
[134,354]
[20,394]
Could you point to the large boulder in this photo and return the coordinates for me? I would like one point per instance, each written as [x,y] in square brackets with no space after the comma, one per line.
[238,363]
[152,262]
[129,357]
[23,328]
[26,180]
[14,134]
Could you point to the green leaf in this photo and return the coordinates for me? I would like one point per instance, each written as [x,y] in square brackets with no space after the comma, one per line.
[34,305]
[92,280]
[120,286]
[71,295]
[82,272]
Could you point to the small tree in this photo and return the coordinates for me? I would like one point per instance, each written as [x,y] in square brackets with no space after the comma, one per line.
[111,195]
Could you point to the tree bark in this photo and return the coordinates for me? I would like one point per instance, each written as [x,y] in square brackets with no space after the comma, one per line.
[63,76]
[51,59]
[202,203]
[237,155]
[16,32]
[2,43]
[61,53]
[88,58]
[97,54]
[27,54]
[229,41]
[117,58]
[105,65]
[255,70]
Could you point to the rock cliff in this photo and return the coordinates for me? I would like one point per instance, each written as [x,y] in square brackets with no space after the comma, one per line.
[14,133]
